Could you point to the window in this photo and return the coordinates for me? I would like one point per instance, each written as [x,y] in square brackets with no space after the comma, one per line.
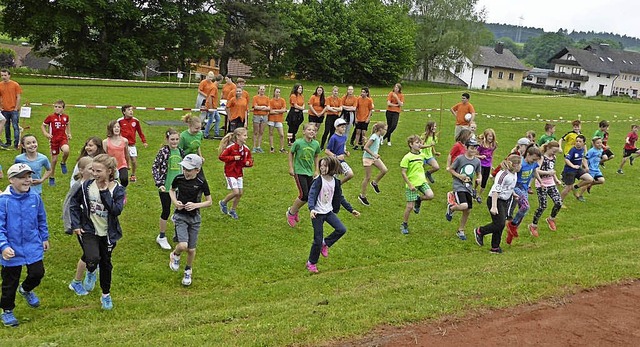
[570,57]
[490,73]
[558,82]
[510,76]
[576,70]
[529,78]
[500,75]
[598,75]
[485,71]
[561,69]
[608,76]
[541,80]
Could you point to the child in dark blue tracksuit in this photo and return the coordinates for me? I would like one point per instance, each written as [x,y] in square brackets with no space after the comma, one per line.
[325,198]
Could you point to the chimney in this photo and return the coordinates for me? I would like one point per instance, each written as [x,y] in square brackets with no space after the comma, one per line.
[499,47]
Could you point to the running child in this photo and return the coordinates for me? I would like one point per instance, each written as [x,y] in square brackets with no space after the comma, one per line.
[337,148]
[528,170]
[463,169]
[94,218]
[36,161]
[186,191]
[165,168]
[531,136]
[630,150]
[603,133]
[325,199]
[236,156]
[568,140]
[488,145]
[547,186]
[24,237]
[429,141]
[191,139]
[370,157]
[499,203]
[56,128]
[277,108]
[549,134]
[459,147]
[575,167]
[91,148]
[117,147]
[303,166]
[416,186]
[594,157]
[129,126]
[364,110]
[520,148]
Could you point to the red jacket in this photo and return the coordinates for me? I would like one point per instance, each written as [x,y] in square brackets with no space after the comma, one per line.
[128,129]
[233,167]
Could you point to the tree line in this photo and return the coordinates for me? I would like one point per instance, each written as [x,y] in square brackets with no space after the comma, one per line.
[360,41]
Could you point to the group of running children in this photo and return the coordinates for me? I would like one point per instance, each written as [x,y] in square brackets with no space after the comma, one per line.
[97,194]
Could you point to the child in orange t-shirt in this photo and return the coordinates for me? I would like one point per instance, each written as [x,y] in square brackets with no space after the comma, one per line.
[277,108]
[364,110]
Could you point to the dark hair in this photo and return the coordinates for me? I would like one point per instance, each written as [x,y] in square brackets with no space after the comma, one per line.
[5,70]
[295,88]
[333,165]
[428,130]
[124,108]
[548,126]
[532,149]
[110,128]
[60,102]
[463,135]
[96,141]
[466,95]
[584,139]
[22,141]
[366,90]
[603,123]
[576,122]
[170,132]
[321,96]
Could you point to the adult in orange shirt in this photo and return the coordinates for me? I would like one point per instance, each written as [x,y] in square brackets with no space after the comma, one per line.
[363,116]
[204,88]
[211,104]
[261,109]
[10,93]
[237,108]
[334,107]
[229,88]
[277,108]
[295,116]
[395,100]
[459,111]
[317,107]
[241,84]
[349,104]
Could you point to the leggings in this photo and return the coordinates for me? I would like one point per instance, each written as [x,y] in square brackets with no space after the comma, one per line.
[497,221]
[97,251]
[294,120]
[523,204]
[165,201]
[124,176]
[392,123]
[329,129]
[552,192]
[485,171]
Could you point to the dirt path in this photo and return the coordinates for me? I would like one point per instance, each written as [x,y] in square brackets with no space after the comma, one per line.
[608,316]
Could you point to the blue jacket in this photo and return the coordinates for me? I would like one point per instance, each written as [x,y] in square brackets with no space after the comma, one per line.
[338,198]
[80,211]
[23,227]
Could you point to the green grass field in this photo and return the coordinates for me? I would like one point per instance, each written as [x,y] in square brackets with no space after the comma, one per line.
[250,285]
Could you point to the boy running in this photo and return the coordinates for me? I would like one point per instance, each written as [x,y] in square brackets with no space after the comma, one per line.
[129,126]
[59,134]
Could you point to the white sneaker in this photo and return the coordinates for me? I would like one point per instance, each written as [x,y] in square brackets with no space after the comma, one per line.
[389,143]
[186,280]
[174,262]
[162,241]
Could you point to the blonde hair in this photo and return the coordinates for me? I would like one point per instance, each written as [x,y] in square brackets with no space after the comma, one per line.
[483,138]
[109,162]
[549,145]
[82,165]
[411,139]
[191,119]
[510,162]
[230,138]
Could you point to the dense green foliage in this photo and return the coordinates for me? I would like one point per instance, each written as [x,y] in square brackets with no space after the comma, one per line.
[539,50]
[7,57]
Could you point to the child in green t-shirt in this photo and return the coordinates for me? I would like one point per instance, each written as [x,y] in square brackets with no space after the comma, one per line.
[416,188]
[303,166]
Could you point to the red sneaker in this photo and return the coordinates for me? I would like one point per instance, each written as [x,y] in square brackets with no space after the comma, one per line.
[509,237]
[451,198]
[533,229]
[513,229]
[551,223]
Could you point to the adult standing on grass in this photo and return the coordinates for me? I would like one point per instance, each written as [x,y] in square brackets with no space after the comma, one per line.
[211,103]
[334,106]
[460,111]
[349,106]
[204,89]
[229,88]
[317,107]
[363,116]
[295,116]
[237,109]
[10,93]
[129,126]
[261,109]
[395,101]
[277,108]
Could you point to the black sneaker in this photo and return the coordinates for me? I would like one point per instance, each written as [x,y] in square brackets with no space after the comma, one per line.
[429,177]
[479,238]
[363,200]
[496,250]
[631,159]
[375,187]
[416,205]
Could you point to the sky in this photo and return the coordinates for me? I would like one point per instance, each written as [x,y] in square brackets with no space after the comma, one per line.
[551,15]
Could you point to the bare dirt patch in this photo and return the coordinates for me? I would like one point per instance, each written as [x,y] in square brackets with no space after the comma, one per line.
[606,316]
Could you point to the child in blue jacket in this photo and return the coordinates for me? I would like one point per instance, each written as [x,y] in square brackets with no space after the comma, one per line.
[24,237]
[325,198]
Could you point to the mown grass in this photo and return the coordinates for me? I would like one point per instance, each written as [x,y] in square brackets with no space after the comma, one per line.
[250,286]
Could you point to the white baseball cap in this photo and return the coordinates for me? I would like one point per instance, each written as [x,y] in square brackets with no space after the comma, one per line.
[18,169]
[191,161]
[339,122]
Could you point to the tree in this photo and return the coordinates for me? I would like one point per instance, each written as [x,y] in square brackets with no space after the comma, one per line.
[509,44]
[597,41]
[540,49]
[112,38]
[447,31]
[7,57]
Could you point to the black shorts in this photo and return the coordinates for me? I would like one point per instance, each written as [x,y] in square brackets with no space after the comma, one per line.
[304,184]
[608,153]
[462,197]
[569,178]
[629,152]
[314,119]
[362,125]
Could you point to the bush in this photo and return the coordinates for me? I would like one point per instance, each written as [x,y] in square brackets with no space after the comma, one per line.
[7,58]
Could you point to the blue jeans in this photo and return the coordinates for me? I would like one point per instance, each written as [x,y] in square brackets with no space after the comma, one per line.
[12,117]
[523,204]
[318,234]
[212,117]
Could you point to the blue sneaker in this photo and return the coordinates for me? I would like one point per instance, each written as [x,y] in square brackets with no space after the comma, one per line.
[449,214]
[107,303]
[90,280]
[404,228]
[77,287]
[8,319]
[233,214]
[461,235]
[63,167]
[223,207]
[31,297]
[52,182]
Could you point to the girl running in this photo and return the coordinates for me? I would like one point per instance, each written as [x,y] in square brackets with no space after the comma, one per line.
[118,147]
[526,173]
[595,156]
[165,168]
[370,158]
[303,166]
[36,161]
[191,139]
[548,186]
[325,199]
[91,148]
[488,145]
[236,156]
[429,141]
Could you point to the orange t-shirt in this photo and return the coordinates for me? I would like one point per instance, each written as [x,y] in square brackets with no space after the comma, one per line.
[228,90]
[461,110]
[278,104]
[260,101]
[238,108]
[349,100]
[314,102]
[212,99]
[9,93]
[296,99]
[205,86]
[333,101]
[392,99]
[364,108]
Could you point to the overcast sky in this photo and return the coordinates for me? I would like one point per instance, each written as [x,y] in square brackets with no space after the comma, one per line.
[614,16]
